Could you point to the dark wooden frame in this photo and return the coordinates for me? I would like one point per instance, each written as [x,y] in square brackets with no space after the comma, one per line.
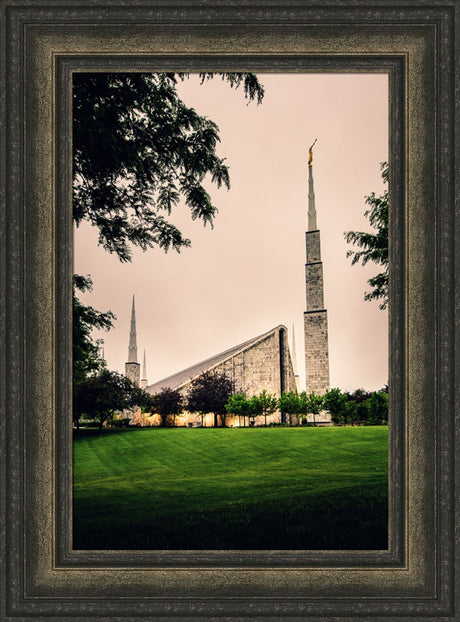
[44,42]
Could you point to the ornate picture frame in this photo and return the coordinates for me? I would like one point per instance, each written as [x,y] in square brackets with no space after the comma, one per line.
[43,44]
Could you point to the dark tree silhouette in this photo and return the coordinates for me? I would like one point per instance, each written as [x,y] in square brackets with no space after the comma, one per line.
[86,357]
[167,403]
[209,393]
[374,246]
[137,151]
[102,395]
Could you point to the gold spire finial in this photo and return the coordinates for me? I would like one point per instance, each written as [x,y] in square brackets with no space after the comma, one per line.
[310,153]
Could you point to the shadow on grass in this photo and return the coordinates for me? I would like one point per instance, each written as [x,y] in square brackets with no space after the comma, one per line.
[349,519]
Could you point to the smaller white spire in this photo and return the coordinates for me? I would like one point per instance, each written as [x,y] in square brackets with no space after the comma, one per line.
[132,348]
[144,374]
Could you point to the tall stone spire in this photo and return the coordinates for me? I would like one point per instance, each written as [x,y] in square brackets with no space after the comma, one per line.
[132,348]
[132,367]
[315,317]
[312,226]
[144,374]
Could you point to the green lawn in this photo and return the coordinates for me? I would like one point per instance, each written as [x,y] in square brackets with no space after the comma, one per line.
[236,488]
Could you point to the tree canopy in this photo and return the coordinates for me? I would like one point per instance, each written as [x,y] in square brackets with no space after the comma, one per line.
[289,403]
[209,393]
[238,404]
[86,357]
[167,403]
[357,407]
[264,404]
[374,246]
[334,403]
[310,404]
[138,150]
[102,395]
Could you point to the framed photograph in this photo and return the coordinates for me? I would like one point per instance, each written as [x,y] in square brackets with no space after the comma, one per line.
[45,47]
[213,343]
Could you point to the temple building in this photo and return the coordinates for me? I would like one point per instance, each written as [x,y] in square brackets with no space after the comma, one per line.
[266,361]
[263,362]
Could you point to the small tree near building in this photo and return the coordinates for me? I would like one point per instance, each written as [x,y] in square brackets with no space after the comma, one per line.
[311,404]
[209,393]
[238,404]
[377,408]
[289,403]
[351,412]
[334,402]
[104,394]
[168,404]
[268,404]
[359,396]
[255,409]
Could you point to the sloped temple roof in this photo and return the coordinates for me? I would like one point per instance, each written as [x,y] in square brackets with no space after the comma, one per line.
[182,378]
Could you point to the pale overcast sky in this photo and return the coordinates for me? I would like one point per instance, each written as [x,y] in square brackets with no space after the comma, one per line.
[247,275]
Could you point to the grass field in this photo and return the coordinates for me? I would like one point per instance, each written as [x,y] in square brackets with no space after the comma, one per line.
[237,488]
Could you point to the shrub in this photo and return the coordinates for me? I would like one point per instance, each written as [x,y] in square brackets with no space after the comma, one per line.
[121,423]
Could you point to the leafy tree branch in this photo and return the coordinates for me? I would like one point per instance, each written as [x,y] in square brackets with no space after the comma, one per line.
[374,246]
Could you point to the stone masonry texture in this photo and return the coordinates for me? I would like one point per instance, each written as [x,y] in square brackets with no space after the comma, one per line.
[316,352]
[313,244]
[133,372]
[265,365]
[314,286]
[315,317]
[261,363]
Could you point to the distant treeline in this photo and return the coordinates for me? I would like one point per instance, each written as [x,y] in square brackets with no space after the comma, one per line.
[105,396]
[360,407]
